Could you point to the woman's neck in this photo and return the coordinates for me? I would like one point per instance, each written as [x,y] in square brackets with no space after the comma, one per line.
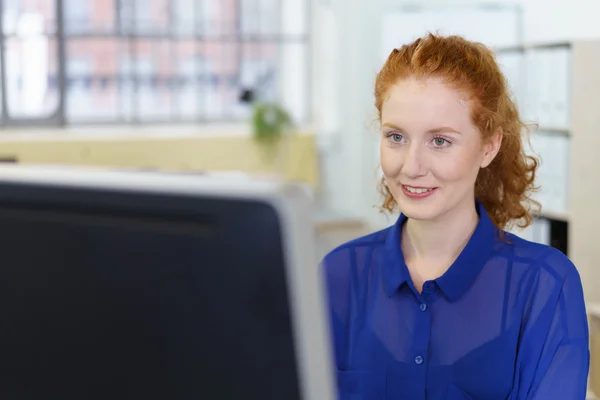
[430,247]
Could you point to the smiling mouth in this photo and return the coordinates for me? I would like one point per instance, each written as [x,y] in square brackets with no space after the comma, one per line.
[417,190]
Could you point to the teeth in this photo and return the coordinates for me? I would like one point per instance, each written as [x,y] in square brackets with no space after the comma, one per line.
[416,190]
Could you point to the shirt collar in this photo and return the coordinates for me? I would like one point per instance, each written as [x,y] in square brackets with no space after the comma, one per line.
[461,274]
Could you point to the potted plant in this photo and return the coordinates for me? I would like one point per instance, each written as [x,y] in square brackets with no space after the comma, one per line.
[271,128]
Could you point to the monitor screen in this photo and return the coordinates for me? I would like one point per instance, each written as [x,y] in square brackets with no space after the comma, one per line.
[114,294]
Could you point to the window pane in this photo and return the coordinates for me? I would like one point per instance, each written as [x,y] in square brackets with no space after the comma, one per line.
[145,16]
[127,71]
[294,18]
[93,79]
[126,16]
[1,89]
[217,18]
[22,17]
[188,86]
[260,17]
[31,71]
[293,68]
[154,74]
[250,17]
[86,16]
[271,17]
[219,69]
[184,22]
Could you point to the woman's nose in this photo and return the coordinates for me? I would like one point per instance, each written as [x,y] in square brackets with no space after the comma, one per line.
[413,162]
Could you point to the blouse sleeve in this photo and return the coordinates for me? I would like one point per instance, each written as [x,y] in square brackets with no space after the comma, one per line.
[338,286]
[553,355]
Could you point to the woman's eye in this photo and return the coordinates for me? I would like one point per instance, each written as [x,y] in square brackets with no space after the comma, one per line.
[396,138]
[439,142]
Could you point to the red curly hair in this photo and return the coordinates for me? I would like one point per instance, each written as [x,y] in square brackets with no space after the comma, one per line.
[505,186]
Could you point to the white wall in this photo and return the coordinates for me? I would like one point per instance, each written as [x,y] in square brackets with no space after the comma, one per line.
[346,57]
[559,20]
[343,100]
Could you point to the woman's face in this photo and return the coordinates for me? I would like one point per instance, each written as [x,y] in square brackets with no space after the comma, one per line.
[431,151]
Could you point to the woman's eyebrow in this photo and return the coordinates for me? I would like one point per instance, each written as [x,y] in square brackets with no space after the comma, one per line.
[434,130]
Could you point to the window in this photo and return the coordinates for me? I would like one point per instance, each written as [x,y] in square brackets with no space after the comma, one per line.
[150,61]
[29,64]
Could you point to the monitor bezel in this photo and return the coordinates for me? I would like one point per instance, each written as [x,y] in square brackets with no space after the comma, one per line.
[294,208]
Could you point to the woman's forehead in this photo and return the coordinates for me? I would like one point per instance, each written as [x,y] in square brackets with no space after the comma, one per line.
[425,100]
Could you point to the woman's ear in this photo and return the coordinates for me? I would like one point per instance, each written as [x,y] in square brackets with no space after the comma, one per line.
[491,148]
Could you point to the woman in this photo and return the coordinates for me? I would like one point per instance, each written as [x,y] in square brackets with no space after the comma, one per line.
[445,304]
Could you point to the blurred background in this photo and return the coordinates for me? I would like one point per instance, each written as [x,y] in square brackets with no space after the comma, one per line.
[197,85]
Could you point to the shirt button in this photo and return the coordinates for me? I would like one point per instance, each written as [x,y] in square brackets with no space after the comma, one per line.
[423,306]
[419,360]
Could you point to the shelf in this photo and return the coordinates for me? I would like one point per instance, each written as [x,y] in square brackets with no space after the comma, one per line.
[551,131]
[555,215]
[531,46]
[593,309]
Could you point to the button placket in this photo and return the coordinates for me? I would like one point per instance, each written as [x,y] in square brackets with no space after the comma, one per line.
[419,360]
[429,290]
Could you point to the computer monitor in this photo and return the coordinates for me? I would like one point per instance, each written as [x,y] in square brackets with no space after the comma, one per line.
[133,285]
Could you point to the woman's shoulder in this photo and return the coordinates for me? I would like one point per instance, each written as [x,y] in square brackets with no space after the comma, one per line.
[538,256]
[549,277]
[342,256]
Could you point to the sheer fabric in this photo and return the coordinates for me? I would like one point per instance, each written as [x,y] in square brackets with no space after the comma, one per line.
[506,321]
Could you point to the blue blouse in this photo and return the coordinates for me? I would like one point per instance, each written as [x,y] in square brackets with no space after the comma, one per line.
[506,321]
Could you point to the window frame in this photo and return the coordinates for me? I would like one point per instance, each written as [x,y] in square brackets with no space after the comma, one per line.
[238,39]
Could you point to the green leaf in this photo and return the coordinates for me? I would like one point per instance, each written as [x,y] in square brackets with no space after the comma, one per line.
[270,122]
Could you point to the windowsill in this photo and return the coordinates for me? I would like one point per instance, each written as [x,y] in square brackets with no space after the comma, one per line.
[202,147]
[132,132]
